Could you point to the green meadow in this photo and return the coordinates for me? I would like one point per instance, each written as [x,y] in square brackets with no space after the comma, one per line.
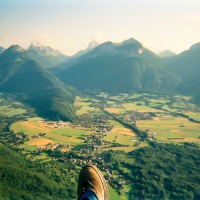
[83,106]
[165,126]
[11,111]
[177,129]
[65,135]
[193,115]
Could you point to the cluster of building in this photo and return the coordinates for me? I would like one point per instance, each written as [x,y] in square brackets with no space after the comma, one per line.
[56,124]
[133,116]
[98,123]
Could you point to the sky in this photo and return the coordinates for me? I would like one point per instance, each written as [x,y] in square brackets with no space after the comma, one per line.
[70,25]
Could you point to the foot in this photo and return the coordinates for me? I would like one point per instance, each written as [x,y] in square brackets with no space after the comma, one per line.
[90,178]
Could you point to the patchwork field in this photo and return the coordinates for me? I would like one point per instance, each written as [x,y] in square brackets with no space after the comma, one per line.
[166,128]
[109,118]
[114,110]
[65,135]
[10,111]
[83,106]
[172,129]
[193,115]
[10,107]
[140,107]
[136,106]
[120,135]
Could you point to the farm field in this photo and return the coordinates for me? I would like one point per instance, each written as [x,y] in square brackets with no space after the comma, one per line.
[106,124]
[193,115]
[10,112]
[172,129]
[139,107]
[114,110]
[121,135]
[167,128]
[10,107]
[83,106]
[65,135]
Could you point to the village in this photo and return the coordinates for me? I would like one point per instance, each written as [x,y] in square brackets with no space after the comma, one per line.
[93,151]
[93,148]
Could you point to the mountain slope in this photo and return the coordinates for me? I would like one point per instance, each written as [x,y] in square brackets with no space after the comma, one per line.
[21,179]
[124,67]
[22,76]
[90,47]
[1,49]
[187,66]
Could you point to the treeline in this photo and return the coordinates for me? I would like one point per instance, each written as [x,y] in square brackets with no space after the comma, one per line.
[187,117]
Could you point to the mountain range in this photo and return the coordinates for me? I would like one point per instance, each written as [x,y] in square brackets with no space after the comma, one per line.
[45,55]
[119,67]
[41,76]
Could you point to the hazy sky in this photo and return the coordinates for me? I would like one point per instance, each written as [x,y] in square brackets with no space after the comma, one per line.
[69,25]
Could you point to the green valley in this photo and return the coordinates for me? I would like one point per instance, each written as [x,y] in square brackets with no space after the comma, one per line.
[111,131]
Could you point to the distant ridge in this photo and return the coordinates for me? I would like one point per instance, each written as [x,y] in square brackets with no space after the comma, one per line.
[93,44]
[166,53]
[119,67]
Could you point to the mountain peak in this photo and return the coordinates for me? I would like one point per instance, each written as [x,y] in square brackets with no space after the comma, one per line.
[36,44]
[166,53]
[15,49]
[92,44]
[131,41]
[42,49]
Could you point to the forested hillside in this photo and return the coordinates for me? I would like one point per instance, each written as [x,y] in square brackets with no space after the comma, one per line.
[21,75]
[186,66]
[22,179]
[161,171]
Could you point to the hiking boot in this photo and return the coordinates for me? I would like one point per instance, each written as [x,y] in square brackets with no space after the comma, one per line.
[90,178]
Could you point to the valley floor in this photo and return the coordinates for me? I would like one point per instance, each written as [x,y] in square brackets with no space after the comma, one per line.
[107,124]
